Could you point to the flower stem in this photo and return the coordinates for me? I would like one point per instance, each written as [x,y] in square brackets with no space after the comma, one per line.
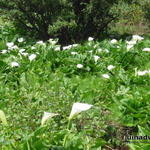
[65,138]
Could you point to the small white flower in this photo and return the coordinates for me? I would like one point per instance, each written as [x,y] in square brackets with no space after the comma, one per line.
[47,116]
[10,44]
[24,54]
[51,41]
[4,51]
[40,43]
[96,58]
[113,41]
[67,47]
[32,47]
[77,108]
[142,73]
[14,47]
[21,50]
[57,48]
[74,53]
[79,66]
[3,118]
[20,40]
[75,45]
[106,50]
[90,39]
[14,64]
[129,47]
[110,67]
[99,50]
[146,49]
[137,38]
[106,76]
[90,51]
[131,42]
[32,57]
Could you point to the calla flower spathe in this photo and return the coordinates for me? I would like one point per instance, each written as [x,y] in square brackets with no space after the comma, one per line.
[77,108]
[14,64]
[3,118]
[146,49]
[142,73]
[137,38]
[32,57]
[106,76]
[74,53]
[4,51]
[79,66]
[10,44]
[110,67]
[47,116]
[20,40]
[90,39]
[113,41]
[96,58]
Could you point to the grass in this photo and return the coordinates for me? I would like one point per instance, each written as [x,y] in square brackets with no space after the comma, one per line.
[52,82]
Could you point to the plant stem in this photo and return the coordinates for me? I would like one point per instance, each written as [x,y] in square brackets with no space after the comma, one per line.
[65,138]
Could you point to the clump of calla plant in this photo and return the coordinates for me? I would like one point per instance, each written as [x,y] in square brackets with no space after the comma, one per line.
[76,109]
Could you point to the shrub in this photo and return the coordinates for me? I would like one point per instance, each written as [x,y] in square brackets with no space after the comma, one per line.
[34,16]
[131,17]
[69,20]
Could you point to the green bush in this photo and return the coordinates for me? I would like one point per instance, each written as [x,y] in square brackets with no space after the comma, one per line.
[68,20]
[34,16]
[132,17]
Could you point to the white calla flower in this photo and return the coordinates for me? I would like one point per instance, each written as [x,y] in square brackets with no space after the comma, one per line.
[67,47]
[32,57]
[96,58]
[142,73]
[10,44]
[79,66]
[91,51]
[14,64]
[77,108]
[4,51]
[131,42]
[14,47]
[106,76]
[99,50]
[137,38]
[32,47]
[146,49]
[106,50]
[51,41]
[110,67]
[40,42]
[57,48]
[21,50]
[90,39]
[129,47]
[75,45]
[24,54]
[74,53]
[113,41]
[3,118]
[47,116]
[20,40]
